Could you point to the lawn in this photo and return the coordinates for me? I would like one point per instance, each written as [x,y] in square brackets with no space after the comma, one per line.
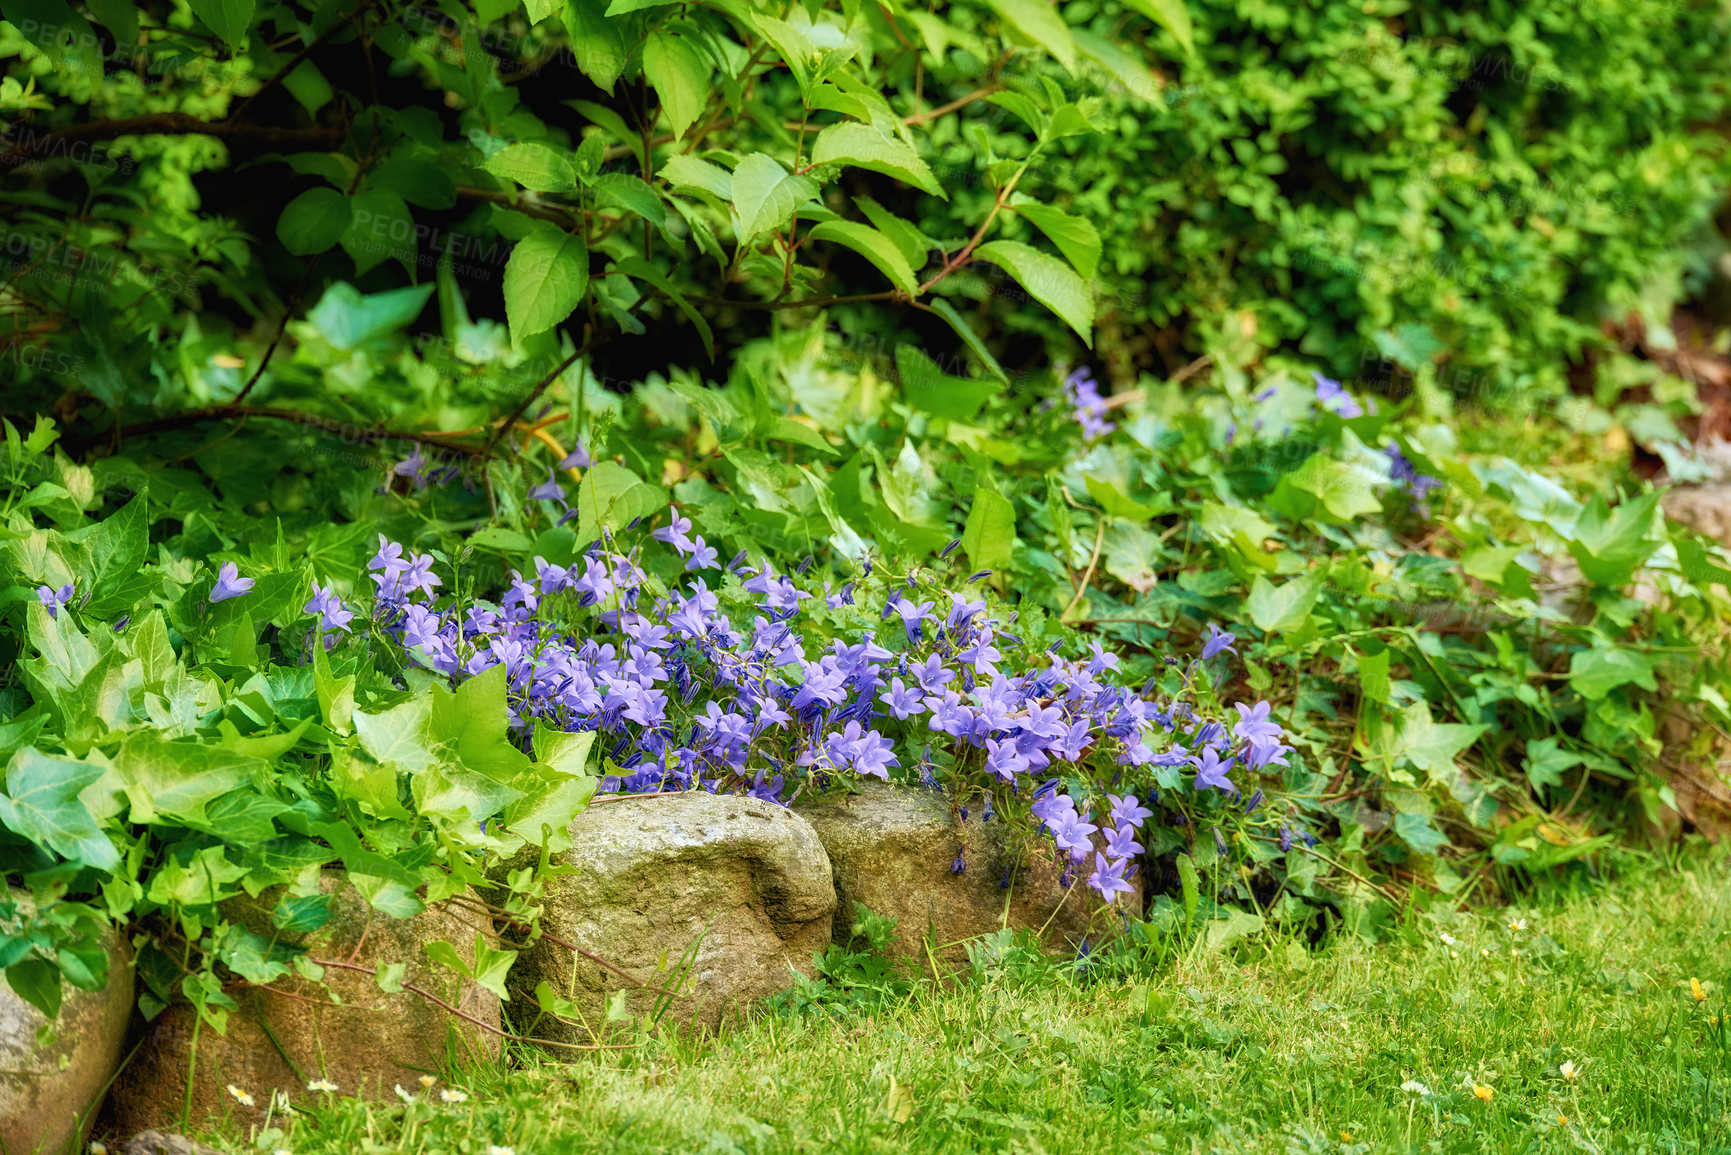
[1590,1023]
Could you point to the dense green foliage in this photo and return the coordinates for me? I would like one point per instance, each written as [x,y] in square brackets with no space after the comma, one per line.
[282,279]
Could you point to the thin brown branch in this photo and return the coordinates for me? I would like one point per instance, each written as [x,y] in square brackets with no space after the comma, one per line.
[287,313]
[172,124]
[311,421]
[946,109]
[1088,574]
[523,406]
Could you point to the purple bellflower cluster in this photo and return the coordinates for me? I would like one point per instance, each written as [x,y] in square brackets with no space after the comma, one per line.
[683,695]
[1084,393]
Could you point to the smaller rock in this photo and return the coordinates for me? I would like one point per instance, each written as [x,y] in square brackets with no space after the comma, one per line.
[290,1033]
[49,1095]
[744,880]
[894,847]
[157,1143]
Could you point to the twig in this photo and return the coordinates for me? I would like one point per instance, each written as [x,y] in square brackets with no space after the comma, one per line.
[1088,574]
[287,312]
[466,1017]
[176,124]
[523,406]
[946,109]
[311,421]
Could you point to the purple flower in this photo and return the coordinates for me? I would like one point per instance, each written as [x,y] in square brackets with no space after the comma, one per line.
[329,608]
[1108,878]
[1405,474]
[1128,811]
[1090,407]
[229,583]
[52,599]
[703,555]
[413,467]
[1216,641]
[902,700]
[1253,722]
[549,490]
[578,458]
[913,615]
[1211,772]
[1121,842]
[1336,399]
[676,533]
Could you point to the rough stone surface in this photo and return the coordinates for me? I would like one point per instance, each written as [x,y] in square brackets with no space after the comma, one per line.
[1697,763]
[280,1039]
[49,1095]
[1703,508]
[655,874]
[892,848]
[157,1143]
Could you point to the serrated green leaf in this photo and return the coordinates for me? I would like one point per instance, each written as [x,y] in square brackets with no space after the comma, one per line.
[874,247]
[313,222]
[1039,23]
[1048,280]
[862,146]
[533,165]
[765,195]
[680,77]
[545,279]
[1075,236]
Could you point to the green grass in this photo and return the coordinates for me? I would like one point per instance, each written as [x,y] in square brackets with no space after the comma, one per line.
[1264,1048]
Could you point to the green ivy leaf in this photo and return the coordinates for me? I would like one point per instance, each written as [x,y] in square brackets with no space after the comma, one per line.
[545,279]
[1596,672]
[1611,544]
[1546,762]
[1417,832]
[1280,609]
[1048,280]
[41,805]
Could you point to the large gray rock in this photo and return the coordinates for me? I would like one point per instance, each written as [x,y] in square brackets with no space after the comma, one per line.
[290,1033]
[893,848]
[747,881]
[49,1095]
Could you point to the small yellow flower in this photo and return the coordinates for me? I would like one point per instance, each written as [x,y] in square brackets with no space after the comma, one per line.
[1483,1091]
[240,1096]
[1562,1120]
[1346,1136]
[450,1096]
[427,1082]
[1569,1071]
[1518,925]
[1695,989]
